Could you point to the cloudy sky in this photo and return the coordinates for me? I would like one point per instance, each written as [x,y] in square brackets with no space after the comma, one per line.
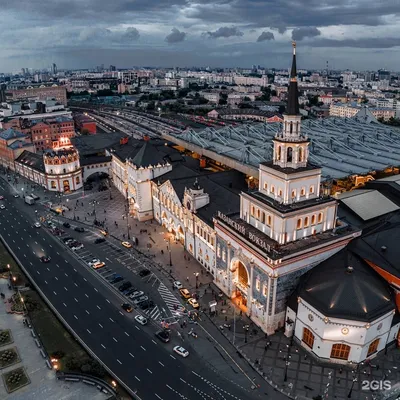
[354,34]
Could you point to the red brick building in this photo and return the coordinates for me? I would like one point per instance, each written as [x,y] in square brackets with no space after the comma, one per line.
[41,92]
[85,123]
[12,145]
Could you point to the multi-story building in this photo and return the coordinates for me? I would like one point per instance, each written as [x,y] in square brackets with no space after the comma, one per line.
[283,229]
[41,92]
[349,110]
[85,124]
[12,144]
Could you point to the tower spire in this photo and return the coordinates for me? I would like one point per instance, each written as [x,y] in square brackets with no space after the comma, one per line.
[293,96]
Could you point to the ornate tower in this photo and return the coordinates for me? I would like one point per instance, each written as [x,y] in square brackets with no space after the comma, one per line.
[290,146]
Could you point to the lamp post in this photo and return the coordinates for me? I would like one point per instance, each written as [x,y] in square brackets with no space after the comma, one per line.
[351,388]
[287,363]
[93,203]
[246,331]
[169,250]
[196,274]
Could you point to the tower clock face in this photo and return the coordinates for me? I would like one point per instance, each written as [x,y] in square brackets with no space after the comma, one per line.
[188,205]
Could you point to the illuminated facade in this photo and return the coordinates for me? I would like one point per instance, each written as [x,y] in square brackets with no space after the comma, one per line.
[283,229]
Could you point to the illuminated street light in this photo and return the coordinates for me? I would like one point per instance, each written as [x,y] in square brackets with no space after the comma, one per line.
[114,383]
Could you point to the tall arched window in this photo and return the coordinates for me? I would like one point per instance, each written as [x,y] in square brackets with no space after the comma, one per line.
[308,338]
[306,222]
[289,154]
[320,216]
[291,127]
[313,220]
[293,194]
[340,351]
[269,220]
[373,347]
[258,213]
[299,223]
[300,154]
[279,153]
[263,217]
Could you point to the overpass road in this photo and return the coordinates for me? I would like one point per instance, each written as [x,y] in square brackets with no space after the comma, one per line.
[129,351]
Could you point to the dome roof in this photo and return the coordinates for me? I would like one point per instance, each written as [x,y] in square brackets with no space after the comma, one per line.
[345,286]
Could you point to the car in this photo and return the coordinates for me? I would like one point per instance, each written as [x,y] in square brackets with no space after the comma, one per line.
[181,351]
[68,240]
[37,225]
[177,285]
[67,224]
[126,244]
[124,286]
[163,335]
[129,291]
[77,247]
[142,320]
[136,294]
[140,299]
[193,303]
[127,307]
[185,293]
[45,259]
[16,196]
[99,265]
[72,243]
[1,197]
[79,229]
[2,207]
[117,279]
[112,277]
[94,261]
[144,272]
[99,240]
[146,304]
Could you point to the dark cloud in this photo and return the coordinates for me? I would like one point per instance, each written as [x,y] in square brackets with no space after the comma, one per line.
[301,33]
[175,36]
[365,43]
[131,33]
[265,36]
[225,32]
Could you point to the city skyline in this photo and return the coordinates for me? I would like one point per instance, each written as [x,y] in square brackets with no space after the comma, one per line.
[223,33]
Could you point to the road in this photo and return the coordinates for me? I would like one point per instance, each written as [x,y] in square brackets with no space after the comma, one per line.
[130,352]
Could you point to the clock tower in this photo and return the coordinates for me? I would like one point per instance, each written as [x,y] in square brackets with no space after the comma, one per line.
[195,198]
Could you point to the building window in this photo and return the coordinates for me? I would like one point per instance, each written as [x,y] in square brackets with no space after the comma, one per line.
[269,220]
[290,151]
[272,189]
[224,256]
[263,217]
[313,220]
[77,180]
[258,213]
[320,216]
[265,290]
[306,222]
[311,189]
[53,184]
[303,191]
[258,284]
[293,194]
[207,258]
[253,211]
[201,252]
[340,351]
[373,347]
[280,193]
[218,251]
[300,154]
[299,223]
[265,186]
[308,338]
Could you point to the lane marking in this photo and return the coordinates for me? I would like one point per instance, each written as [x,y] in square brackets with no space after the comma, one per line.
[87,312]
[131,355]
[76,300]
[95,289]
[121,313]
[137,328]
[55,278]
[126,333]
[172,356]
[108,301]
[154,341]
[89,331]
[75,316]
[65,305]
[111,319]
[161,364]
[143,348]
[102,345]
[86,295]
[149,370]
[115,340]
[54,292]
[137,378]
[101,326]
[99,307]
[65,289]
[75,284]
[119,361]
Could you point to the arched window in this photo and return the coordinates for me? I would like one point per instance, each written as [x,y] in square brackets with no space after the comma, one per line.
[340,351]
[258,213]
[289,154]
[269,220]
[265,186]
[303,191]
[311,189]
[253,211]
[300,154]
[293,194]
[263,217]
[308,338]
[373,347]
[291,127]
[306,222]
[64,171]
[77,180]
[272,189]
[313,220]
[299,223]
[320,216]
[279,153]
[53,184]
[280,193]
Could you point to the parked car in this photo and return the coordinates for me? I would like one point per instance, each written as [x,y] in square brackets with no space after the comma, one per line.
[1,197]
[136,294]
[2,207]
[140,299]
[77,246]
[99,265]
[185,293]
[117,279]
[177,285]
[79,229]
[94,261]
[127,307]
[99,240]
[112,277]
[67,224]
[16,196]
[193,303]
[68,240]
[181,351]
[72,243]
[142,320]
[126,244]
[146,304]
[163,335]
[144,272]
[37,225]
[128,291]
[45,259]
[124,286]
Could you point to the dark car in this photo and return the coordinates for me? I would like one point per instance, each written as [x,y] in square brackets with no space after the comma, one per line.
[99,240]
[124,286]
[128,291]
[163,336]
[79,229]
[127,307]
[74,243]
[67,224]
[117,279]
[68,239]
[144,272]
[146,304]
[45,259]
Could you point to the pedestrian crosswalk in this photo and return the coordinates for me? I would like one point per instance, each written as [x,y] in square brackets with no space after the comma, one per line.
[154,313]
[173,304]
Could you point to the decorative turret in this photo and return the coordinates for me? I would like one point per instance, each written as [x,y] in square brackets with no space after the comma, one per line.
[290,146]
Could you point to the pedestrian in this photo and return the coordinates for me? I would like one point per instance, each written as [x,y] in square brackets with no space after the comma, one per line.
[187,279]
[82,204]
[104,211]
[85,218]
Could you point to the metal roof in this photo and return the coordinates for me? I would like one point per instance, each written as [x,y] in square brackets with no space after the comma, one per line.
[341,146]
[368,204]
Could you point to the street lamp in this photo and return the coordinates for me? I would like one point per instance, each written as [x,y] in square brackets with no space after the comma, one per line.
[351,388]
[196,274]
[287,363]
[93,203]
[169,250]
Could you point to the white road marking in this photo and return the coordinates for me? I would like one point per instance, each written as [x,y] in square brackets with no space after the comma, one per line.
[172,356]
[86,295]
[121,313]
[149,370]
[66,274]
[88,331]
[182,380]
[119,361]
[107,300]
[38,272]
[158,397]
[85,279]
[87,312]
[126,333]
[115,340]
[75,316]
[137,378]
[100,325]
[95,289]
[75,270]
[65,289]
[75,284]
[137,328]
[143,348]
[111,320]
[131,355]
[57,266]
[76,299]
[99,307]
[65,305]
[45,282]
[161,363]
[102,345]
[48,269]
[154,341]
[54,292]
[55,277]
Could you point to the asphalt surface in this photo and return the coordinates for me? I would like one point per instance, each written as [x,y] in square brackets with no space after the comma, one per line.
[131,352]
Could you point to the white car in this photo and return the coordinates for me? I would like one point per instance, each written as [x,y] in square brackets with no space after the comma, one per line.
[94,261]
[16,196]
[37,225]
[181,351]
[142,320]
[178,285]
[80,246]
[136,294]
[2,207]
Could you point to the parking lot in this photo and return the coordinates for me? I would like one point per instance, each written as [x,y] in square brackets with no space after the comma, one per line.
[124,269]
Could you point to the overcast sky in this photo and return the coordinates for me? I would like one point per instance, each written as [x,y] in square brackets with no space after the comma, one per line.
[354,34]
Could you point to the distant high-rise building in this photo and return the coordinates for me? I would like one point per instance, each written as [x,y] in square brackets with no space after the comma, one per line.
[383,75]
[113,68]
[54,69]
[3,88]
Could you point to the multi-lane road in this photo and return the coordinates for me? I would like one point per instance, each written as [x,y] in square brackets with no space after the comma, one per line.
[87,306]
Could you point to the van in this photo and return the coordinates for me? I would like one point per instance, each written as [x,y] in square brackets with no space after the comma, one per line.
[34,196]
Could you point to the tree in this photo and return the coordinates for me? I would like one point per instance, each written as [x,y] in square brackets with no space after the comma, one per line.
[105,92]
[151,106]
[313,100]
[246,98]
